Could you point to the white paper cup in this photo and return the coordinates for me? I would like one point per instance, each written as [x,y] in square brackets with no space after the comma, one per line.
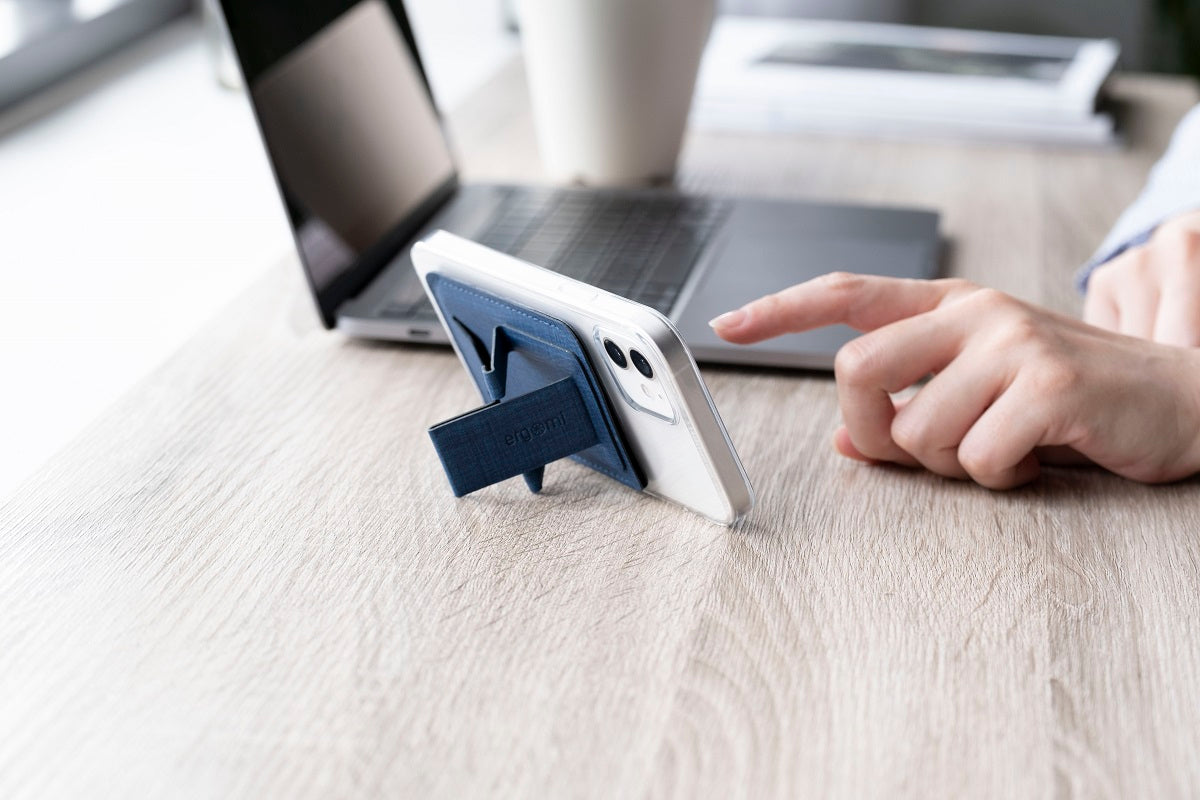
[611,84]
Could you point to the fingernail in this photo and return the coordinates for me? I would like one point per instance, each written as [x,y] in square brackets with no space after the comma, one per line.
[730,319]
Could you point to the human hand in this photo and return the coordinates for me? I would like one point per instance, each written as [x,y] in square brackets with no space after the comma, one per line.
[1152,291]
[1009,378]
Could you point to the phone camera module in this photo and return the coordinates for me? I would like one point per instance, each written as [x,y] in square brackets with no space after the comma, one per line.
[614,352]
[641,364]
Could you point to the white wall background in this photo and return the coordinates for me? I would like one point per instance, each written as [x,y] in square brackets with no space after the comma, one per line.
[135,202]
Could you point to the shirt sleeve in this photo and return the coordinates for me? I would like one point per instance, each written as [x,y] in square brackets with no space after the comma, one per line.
[1172,188]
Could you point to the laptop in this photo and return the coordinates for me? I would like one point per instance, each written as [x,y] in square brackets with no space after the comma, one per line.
[364,168]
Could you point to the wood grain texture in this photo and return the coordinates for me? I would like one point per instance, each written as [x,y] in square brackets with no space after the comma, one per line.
[250,579]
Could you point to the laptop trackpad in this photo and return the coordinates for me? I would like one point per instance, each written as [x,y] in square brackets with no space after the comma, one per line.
[765,253]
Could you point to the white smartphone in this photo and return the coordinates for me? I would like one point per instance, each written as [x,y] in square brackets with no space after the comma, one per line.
[651,379]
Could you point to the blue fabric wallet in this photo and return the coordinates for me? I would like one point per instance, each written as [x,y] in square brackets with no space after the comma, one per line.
[543,398]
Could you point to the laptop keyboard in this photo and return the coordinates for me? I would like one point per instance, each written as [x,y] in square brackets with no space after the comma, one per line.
[636,246]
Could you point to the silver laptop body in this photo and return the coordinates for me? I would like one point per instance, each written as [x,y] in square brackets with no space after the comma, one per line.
[364,169]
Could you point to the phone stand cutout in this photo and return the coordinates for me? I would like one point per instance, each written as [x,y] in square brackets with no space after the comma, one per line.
[543,398]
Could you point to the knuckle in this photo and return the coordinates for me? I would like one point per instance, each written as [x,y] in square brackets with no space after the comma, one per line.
[1138,263]
[989,299]
[769,306]
[842,282]
[1052,376]
[850,362]
[911,434]
[1024,331]
[980,462]
[856,361]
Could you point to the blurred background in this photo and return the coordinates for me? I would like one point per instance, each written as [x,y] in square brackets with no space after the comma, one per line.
[1154,34]
[135,201]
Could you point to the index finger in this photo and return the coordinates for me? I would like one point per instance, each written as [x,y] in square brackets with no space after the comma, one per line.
[864,302]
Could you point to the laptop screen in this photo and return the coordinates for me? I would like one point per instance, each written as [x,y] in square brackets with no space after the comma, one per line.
[350,129]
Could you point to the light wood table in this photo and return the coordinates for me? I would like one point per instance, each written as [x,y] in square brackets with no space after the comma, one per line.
[249,578]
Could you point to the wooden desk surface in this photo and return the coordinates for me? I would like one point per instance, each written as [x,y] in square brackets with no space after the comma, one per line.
[250,579]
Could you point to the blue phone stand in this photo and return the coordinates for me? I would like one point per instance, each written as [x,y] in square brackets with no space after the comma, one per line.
[544,400]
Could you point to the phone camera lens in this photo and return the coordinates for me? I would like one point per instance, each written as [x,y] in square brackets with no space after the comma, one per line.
[614,352]
[640,362]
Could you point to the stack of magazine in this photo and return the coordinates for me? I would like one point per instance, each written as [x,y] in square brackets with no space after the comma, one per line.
[903,81]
